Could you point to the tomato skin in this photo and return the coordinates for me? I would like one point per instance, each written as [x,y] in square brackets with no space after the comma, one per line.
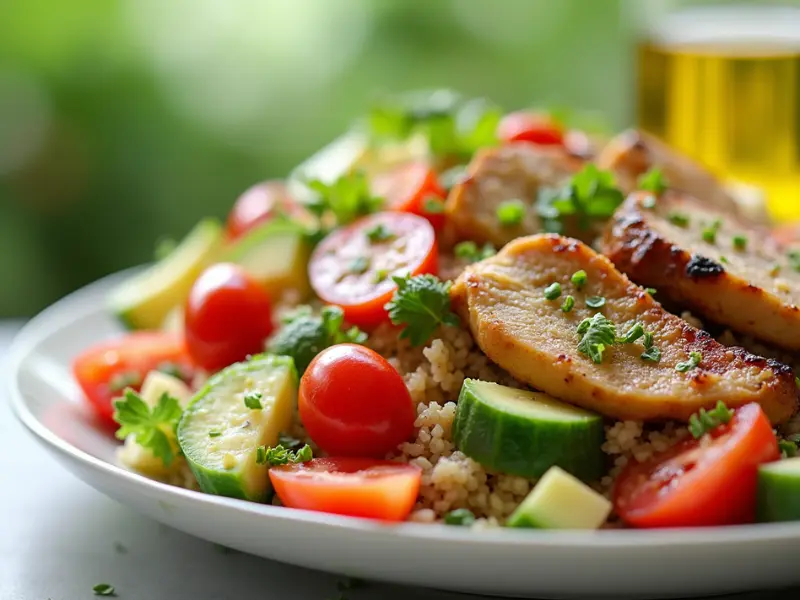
[408,187]
[354,403]
[139,352]
[259,204]
[355,487]
[227,317]
[696,483]
[530,127]
[414,250]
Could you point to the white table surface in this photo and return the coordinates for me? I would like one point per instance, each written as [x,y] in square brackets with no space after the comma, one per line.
[59,537]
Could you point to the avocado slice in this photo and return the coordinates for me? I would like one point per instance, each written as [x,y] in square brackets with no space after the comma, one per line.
[219,433]
[560,501]
[143,301]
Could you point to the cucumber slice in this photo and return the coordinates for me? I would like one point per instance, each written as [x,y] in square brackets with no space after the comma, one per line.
[779,491]
[560,501]
[219,435]
[144,301]
[276,255]
[525,433]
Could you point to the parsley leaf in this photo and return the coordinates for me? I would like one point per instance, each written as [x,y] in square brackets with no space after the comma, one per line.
[597,334]
[379,233]
[678,219]
[704,422]
[421,303]
[651,353]
[590,194]
[104,589]
[469,251]
[694,360]
[510,212]
[595,302]
[346,199]
[252,400]
[552,291]
[462,517]
[279,455]
[568,304]
[136,418]
[653,181]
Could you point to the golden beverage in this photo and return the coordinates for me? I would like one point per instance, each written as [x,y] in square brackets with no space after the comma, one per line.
[723,85]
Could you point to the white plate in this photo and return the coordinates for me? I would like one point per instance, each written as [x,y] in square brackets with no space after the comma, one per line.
[505,562]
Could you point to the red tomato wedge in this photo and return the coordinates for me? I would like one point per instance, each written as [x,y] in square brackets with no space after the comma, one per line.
[410,188]
[706,482]
[354,403]
[356,487]
[104,370]
[353,267]
[530,127]
[261,203]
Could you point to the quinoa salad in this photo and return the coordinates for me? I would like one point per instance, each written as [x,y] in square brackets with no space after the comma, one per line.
[461,315]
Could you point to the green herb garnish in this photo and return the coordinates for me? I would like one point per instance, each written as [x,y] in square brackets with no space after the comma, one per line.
[595,302]
[694,360]
[651,352]
[346,199]
[148,426]
[579,278]
[278,455]
[740,242]
[510,213]
[633,334]
[794,259]
[359,265]
[568,304]
[123,380]
[704,422]
[213,434]
[597,334]
[421,304]
[433,205]
[104,589]
[710,232]
[653,181]
[470,251]
[552,291]
[252,400]
[379,233]
[678,219]
[788,448]
[380,276]
[462,517]
[651,291]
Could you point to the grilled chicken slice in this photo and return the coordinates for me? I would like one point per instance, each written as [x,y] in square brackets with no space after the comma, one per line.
[751,288]
[510,172]
[503,300]
[632,153]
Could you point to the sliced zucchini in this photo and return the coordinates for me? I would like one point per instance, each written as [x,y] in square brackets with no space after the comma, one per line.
[560,501]
[525,433]
[144,301]
[219,434]
[779,491]
[276,255]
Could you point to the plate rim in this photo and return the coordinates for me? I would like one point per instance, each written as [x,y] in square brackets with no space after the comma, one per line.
[46,323]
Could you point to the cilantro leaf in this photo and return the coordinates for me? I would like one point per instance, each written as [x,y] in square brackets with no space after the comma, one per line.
[653,181]
[704,422]
[695,358]
[345,199]
[597,334]
[421,303]
[591,194]
[148,426]
[279,455]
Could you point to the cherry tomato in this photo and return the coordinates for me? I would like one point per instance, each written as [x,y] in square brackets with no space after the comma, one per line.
[354,403]
[228,316]
[356,487]
[351,269]
[104,370]
[706,482]
[531,127]
[410,188]
[259,204]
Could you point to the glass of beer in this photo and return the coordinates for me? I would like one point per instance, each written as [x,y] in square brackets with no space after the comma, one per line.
[722,84]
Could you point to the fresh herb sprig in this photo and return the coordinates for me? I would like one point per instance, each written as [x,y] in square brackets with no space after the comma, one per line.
[148,426]
[695,358]
[653,181]
[704,422]
[597,335]
[469,251]
[421,304]
[345,199]
[279,455]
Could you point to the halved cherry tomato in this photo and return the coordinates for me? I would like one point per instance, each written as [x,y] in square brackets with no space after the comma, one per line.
[531,127]
[354,403]
[228,315]
[705,482]
[353,266]
[260,203]
[104,370]
[356,487]
[410,188]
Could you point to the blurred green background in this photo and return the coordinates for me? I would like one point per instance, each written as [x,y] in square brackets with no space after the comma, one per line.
[125,120]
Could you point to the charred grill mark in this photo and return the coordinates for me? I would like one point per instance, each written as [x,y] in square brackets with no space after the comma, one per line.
[701,266]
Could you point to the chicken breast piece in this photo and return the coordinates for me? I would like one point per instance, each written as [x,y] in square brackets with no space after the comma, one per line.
[750,287]
[632,153]
[503,301]
[496,175]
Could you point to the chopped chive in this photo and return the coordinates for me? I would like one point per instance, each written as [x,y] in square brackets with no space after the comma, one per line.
[433,205]
[678,219]
[740,242]
[510,213]
[552,291]
[359,265]
[379,233]
[214,434]
[461,517]
[569,303]
[651,291]
[579,278]
[694,360]
[253,400]
[710,232]
[595,302]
